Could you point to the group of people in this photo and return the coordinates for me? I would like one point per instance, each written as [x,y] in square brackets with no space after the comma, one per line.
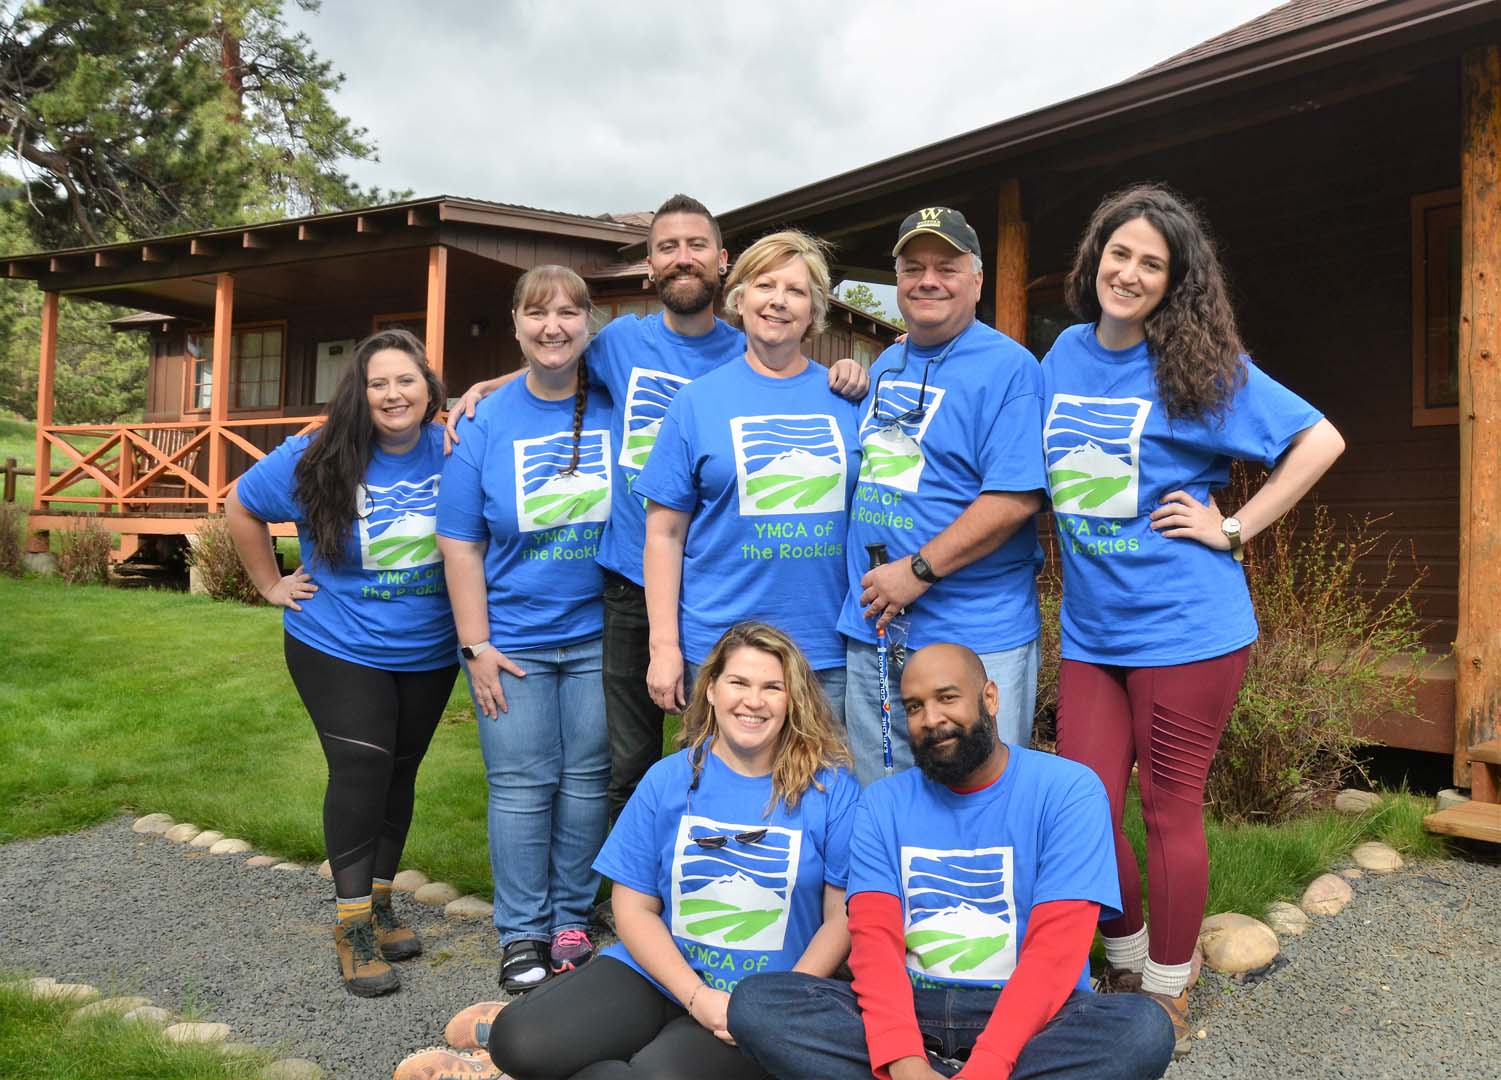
[832,576]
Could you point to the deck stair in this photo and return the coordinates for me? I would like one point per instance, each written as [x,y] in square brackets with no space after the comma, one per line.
[1480,818]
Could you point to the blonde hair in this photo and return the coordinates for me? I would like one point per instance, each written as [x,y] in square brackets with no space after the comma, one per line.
[809,739]
[770,253]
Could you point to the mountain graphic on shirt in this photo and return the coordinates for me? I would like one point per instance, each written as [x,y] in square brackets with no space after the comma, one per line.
[789,464]
[892,431]
[647,396]
[737,895]
[397,524]
[961,914]
[548,494]
[1093,448]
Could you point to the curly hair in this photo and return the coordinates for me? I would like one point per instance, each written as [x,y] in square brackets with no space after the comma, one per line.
[535,288]
[808,740]
[1191,334]
[771,253]
[331,470]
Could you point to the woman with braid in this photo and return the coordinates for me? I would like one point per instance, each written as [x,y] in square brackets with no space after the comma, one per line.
[525,496]
[372,660]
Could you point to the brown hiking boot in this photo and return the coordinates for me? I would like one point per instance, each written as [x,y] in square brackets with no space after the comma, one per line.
[396,939]
[365,973]
[1114,980]
[1176,1006]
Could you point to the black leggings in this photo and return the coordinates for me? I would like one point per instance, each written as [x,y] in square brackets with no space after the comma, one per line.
[605,1021]
[374,726]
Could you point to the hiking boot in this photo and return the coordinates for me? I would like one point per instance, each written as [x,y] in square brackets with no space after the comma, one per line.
[570,949]
[1176,1006]
[470,1029]
[1114,980]
[523,966]
[440,1063]
[365,973]
[396,939]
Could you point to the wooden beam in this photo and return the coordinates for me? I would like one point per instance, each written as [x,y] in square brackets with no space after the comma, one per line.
[45,382]
[1010,270]
[58,265]
[218,452]
[367,225]
[108,260]
[1477,644]
[309,234]
[201,246]
[255,240]
[418,218]
[154,253]
[25,270]
[437,305]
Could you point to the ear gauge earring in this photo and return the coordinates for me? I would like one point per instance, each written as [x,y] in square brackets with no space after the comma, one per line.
[723,270]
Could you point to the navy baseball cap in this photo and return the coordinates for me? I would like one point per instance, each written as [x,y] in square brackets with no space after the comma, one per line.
[940,220]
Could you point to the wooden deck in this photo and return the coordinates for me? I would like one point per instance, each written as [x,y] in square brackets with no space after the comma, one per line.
[1471,820]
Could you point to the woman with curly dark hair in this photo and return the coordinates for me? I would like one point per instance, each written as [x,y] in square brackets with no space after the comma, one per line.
[1148,401]
[369,638]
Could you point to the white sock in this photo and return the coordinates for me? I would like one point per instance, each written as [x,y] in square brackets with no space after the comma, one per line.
[1171,979]
[1127,953]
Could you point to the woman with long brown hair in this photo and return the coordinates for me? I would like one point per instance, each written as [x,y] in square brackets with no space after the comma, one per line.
[369,639]
[730,858]
[1148,401]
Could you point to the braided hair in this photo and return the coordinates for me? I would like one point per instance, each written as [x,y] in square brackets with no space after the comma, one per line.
[535,288]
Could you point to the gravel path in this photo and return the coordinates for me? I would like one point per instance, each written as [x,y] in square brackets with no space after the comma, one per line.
[1405,983]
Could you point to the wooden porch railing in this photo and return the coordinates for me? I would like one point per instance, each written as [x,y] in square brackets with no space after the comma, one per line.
[132,463]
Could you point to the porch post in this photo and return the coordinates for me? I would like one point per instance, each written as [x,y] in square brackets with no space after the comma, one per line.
[437,305]
[1477,646]
[46,383]
[1010,268]
[218,446]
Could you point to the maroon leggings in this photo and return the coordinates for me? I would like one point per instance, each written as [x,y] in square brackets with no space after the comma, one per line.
[1168,720]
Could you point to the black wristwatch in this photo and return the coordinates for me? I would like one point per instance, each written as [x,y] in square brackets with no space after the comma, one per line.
[923,570]
[471,651]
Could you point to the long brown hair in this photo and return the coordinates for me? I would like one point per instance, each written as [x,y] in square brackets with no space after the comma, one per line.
[808,740]
[535,288]
[332,468]
[1191,334]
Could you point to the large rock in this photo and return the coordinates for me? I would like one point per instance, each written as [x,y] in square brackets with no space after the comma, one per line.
[153,823]
[259,861]
[75,992]
[196,1031]
[288,866]
[1234,943]
[292,1069]
[1377,857]
[149,1014]
[38,986]
[182,832]
[409,881]
[1351,801]
[1326,894]
[1287,920]
[206,839]
[230,845]
[115,1006]
[436,894]
[469,907]
[1451,797]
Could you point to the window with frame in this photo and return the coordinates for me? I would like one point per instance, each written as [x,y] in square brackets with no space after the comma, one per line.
[1436,252]
[255,365]
[201,371]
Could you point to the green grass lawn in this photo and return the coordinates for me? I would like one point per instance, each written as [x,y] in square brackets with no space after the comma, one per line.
[116,700]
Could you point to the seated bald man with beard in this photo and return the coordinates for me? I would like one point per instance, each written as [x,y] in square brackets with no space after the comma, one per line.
[976,883]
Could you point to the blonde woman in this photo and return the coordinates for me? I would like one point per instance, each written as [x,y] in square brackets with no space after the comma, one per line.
[731,858]
[749,483]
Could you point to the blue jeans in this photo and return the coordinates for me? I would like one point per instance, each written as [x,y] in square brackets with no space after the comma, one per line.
[831,679]
[1014,672]
[797,1026]
[548,764]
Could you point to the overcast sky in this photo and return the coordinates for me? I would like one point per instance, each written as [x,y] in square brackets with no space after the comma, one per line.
[611,105]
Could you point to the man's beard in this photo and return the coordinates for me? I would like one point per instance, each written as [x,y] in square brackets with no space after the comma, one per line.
[686,292]
[970,750]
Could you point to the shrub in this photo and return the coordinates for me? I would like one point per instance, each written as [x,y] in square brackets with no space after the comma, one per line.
[12,539]
[1334,646]
[1049,595]
[213,555]
[83,553]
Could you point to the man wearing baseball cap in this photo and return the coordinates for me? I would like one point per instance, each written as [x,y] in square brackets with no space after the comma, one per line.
[951,479]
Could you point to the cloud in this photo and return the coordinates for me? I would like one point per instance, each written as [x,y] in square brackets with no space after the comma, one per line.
[594,106]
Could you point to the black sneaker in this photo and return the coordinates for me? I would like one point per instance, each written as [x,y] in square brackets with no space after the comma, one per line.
[524,966]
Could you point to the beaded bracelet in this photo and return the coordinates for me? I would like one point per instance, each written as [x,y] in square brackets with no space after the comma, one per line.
[693,995]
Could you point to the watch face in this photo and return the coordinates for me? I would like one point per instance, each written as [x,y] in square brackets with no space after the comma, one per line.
[1230,526]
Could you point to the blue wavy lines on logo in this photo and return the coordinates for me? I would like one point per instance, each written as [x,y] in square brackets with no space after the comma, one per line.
[647,398]
[938,884]
[1108,425]
[789,464]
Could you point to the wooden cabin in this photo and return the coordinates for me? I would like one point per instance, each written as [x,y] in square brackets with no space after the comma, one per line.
[1348,155]
[250,327]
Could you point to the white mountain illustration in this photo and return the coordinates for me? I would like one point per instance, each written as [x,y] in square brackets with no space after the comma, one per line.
[739,890]
[799,462]
[966,921]
[892,439]
[1093,461]
[651,429]
[409,524]
[574,483]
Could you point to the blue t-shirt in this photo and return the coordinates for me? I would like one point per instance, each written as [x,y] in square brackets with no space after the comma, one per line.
[1131,596]
[979,429]
[385,604]
[742,908]
[969,869]
[643,365]
[504,485]
[765,466]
